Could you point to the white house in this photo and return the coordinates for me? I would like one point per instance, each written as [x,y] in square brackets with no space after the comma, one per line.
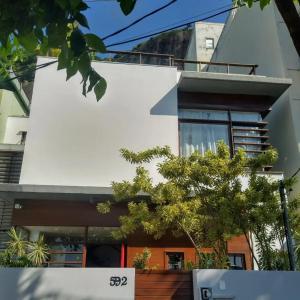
[71,152]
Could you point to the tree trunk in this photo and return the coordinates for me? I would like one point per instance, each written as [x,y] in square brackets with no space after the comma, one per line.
[292,20]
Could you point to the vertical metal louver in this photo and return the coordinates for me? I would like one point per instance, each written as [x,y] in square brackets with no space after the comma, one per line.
[10,166]
[6,211]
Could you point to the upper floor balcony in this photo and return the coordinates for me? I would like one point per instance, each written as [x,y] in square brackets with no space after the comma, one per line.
[150,101]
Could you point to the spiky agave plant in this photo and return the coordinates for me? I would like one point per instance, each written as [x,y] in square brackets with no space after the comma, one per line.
[38,251]
[16,245]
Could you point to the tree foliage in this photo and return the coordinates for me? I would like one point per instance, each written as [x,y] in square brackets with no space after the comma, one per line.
[201,197]
[34,27]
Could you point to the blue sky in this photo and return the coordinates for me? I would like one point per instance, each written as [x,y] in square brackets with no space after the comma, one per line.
[105,16]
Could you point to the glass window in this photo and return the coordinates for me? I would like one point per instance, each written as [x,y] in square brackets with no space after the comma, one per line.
[65,244]
[175,260]
[203,114]
[209,43]
[240,116]
[237,261]
[201,137]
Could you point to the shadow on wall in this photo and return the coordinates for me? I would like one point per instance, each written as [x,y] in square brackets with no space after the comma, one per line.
[167,105]
[248,285]
[19,284]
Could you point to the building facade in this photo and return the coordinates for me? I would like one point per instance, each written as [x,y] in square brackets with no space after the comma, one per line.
[267,42]
[71,154]
[203,42]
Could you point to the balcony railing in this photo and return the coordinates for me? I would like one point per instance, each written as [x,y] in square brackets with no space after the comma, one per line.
[171,60]
[11,157]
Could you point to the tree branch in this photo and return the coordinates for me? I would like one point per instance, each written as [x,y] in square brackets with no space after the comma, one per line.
[251,249]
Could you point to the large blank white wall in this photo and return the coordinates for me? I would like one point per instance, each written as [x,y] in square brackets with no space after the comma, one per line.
[261,37]
[75,141]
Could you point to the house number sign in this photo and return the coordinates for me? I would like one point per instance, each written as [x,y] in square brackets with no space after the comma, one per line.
[118,281]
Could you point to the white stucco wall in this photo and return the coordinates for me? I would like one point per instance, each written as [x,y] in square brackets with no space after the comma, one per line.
[253,36]
[9,106]
[66,283]
[73,140]
[14,125]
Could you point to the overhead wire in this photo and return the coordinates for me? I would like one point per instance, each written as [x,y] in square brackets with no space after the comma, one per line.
[183,20]
[172,28]
[139,20]
[141,37]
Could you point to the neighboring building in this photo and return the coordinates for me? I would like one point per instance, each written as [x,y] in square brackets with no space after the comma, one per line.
[261,36]
[13,104]
[204,40]
[71,153]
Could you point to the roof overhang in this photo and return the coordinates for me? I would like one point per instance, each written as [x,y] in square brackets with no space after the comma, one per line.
[56,192]
[220,83]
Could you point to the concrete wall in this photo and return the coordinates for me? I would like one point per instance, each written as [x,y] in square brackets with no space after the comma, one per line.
[14,125]
[260,37]
[9,106]
[242,285]
[65,284]
[197,47]
[73,140]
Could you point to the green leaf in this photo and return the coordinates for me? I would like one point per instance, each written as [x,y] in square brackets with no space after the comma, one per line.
[82,20]
[74,3]
[264,3]
[72,70]
[94,42]
[28,41]
[62,3]
[82,6]
[77,41]
[100,88]
[56,35]
[84,65]
[127,6]
[94,78]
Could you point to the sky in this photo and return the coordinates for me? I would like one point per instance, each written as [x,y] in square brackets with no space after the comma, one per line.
[105,17]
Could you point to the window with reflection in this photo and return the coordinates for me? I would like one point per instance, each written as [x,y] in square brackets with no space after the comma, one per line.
[237,261]
[65,244]
[175,260]
[201,130]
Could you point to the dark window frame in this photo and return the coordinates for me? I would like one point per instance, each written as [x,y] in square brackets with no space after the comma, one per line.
[246,126]
[240,255]
[213,43]
[174,252]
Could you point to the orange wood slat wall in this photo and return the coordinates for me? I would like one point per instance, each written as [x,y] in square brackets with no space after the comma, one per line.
[158,260]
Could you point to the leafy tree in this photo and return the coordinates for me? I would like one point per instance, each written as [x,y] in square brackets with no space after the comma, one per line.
[289,14]
[31,27]
[21,253]
[203,198]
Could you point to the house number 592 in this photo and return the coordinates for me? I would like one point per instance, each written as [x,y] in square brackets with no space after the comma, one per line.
[118,281]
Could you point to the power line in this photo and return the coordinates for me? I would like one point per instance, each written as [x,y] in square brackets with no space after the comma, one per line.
[140,19]
[38,67]
[174,27]
[183,20]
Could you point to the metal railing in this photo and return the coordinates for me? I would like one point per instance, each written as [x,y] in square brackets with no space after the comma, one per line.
[171,60]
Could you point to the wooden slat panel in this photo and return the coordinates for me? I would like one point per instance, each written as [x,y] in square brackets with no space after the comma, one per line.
[163,277]
[172,297]
[157,291]
[163,285]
